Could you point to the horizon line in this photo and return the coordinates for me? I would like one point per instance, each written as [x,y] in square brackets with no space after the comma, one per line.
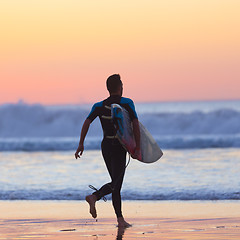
[22,101]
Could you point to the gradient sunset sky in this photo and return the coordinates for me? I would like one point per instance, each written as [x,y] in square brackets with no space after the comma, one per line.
[62,51]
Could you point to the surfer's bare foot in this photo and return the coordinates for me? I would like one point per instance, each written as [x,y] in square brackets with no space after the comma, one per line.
[91,199]
[122,223]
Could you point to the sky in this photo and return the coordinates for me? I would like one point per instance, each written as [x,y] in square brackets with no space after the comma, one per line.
[62,51]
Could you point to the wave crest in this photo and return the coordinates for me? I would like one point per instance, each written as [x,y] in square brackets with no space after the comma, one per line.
[40,128]
[22,120]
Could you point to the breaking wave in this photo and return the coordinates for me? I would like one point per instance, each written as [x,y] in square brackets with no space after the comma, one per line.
[26,127]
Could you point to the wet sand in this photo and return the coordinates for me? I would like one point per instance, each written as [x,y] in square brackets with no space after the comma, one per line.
[151,220]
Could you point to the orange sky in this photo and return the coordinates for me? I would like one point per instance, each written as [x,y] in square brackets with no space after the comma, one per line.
[62,51]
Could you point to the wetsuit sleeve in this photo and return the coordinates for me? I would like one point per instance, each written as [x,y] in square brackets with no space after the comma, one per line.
[132,112]
[94,112]
[129,105]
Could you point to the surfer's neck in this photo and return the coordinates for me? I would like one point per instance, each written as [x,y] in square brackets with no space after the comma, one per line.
[115,94]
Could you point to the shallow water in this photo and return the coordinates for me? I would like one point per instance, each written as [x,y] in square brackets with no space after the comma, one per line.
[203,174]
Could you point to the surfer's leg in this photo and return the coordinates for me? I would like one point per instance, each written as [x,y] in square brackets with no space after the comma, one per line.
[117,174]
[105,189]
[117,202]
[106,152]
[118,171]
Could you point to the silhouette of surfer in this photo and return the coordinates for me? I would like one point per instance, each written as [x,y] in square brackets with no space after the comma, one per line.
[112,151]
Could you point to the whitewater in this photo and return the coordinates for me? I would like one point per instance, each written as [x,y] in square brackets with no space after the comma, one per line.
[185,125]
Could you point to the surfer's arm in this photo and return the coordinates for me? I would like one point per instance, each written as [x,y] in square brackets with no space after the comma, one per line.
[136,133]
[84,131]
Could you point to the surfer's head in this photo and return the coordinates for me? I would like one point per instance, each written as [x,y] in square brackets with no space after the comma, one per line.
[114,85]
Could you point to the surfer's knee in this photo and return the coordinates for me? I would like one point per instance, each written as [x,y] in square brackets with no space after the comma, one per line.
[116,193]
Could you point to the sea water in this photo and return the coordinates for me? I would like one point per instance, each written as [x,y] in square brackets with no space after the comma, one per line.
[200,141]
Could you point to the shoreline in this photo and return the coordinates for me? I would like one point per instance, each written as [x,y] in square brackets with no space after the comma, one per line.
[150,219]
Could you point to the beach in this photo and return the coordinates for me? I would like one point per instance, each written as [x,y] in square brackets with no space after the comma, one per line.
[150,220]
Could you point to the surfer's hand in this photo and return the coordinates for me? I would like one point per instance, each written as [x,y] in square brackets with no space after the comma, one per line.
[137,154]
[80,150]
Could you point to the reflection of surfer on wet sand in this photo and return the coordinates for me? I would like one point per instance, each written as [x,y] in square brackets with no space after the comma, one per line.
[113,152]
[120,233]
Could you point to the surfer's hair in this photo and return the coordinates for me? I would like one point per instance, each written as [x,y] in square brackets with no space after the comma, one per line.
[113,83]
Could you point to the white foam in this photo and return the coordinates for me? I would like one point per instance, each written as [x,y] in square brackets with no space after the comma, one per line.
[79,194]
[21,120]
[26,127]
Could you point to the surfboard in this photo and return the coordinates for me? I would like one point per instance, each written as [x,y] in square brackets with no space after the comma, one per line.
[150,151]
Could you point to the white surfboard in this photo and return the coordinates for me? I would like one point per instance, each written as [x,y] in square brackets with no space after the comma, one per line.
[150,151]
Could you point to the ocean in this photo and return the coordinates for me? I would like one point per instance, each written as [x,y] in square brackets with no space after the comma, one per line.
[200,142]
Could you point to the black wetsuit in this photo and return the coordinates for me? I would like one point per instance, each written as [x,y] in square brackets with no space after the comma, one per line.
[113,153]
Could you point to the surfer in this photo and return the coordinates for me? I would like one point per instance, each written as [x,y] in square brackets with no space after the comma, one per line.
[112,151]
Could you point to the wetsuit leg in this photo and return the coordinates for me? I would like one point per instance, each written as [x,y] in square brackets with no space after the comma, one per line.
[115,158]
